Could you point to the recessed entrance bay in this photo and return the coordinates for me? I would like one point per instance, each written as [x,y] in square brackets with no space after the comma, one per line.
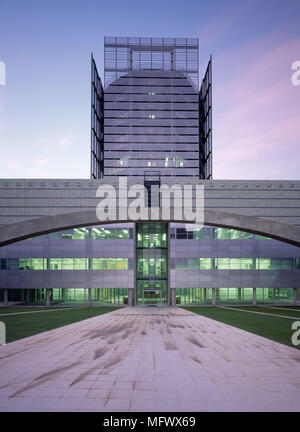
[152,264]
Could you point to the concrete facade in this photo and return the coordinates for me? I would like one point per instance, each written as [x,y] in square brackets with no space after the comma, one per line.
[50,205]
[35,207]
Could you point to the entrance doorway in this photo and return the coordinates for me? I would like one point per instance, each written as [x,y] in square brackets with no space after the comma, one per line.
[151,297]
[151,264]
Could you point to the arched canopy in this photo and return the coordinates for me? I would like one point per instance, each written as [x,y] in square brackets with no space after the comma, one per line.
[29,228]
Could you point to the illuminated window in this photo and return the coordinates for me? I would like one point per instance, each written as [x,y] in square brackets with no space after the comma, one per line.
[247,264]
[55,263]
[80,264]
[222,263]
[264,263]
[205,263]
[235,263]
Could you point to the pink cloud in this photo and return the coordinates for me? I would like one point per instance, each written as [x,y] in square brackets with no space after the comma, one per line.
[256,112]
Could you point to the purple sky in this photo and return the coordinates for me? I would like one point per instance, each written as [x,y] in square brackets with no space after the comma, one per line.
[45,104]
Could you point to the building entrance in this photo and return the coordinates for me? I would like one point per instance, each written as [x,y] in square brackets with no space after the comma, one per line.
[152,264]
[151,297]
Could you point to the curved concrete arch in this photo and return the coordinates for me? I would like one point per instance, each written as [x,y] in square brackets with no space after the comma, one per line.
[29,228]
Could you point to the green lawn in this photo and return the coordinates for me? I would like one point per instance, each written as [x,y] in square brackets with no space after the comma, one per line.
[270,327]
[24,325]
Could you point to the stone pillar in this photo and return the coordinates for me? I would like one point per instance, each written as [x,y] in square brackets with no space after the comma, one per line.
[89,297]
[254,296]
[204,295]
[213,297]
[294,296]
[47,297]
[63,292]
[5,297]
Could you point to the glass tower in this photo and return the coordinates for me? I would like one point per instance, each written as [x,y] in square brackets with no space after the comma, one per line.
[155,116]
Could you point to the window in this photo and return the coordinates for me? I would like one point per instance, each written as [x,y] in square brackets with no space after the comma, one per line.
[263,263]
[80,264]
[55,263]
[205,263]
[221,233]
[235,263]
[97,263]
[222,263]
[67,264]
[247,264]
[193,264]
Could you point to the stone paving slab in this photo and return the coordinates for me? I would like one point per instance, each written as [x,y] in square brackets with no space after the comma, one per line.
[149,359]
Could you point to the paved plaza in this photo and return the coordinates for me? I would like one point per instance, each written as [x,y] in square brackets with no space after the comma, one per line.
[149,359]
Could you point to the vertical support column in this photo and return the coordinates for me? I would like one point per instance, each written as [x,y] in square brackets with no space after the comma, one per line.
[5,297]
[239,295]
[213,296]
[294,296]
[89,297]
[63,292]
[130,59]
[130,297]
[254,296]
[134,294]
[47,297]
[171,301]
[173,297]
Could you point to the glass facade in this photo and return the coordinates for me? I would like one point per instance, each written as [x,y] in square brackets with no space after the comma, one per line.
[151,263]
[151,121]
[69,296]
[66,263]
[207,260]
[151,113]
[193,296]
[97,124]
[274,295]
[106,296]
[212,233]
[93,233]
[191,267]
[123,54]
[234,263]
[243,296]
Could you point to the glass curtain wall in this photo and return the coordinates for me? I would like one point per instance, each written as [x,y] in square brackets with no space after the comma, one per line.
[152,263]
[151,108]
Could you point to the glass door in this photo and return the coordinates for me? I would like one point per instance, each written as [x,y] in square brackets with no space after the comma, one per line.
[151,297]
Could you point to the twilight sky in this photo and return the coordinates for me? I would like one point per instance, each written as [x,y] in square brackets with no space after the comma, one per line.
[45,104]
